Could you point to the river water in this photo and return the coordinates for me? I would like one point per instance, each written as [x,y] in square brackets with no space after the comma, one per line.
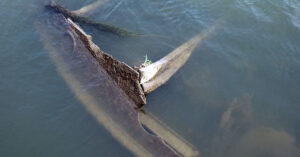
[238,94]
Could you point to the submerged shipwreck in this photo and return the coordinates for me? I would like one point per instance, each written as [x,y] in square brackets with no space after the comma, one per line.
[112,91]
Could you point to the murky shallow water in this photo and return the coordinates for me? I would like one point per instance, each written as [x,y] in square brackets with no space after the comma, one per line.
[237,95]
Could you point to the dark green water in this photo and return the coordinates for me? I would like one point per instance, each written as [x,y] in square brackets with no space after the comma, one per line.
[238,95]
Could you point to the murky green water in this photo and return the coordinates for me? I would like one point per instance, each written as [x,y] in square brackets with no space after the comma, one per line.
[237,95]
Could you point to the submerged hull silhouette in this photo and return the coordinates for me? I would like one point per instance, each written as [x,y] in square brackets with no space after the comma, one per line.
[102,96]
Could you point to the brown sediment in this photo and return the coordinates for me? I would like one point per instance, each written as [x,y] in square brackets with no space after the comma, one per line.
[266,140]
[234,123]
[239,135]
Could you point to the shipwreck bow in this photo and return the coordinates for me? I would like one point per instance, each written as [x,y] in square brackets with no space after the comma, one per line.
[124,87]
[137,83]
[101,95]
